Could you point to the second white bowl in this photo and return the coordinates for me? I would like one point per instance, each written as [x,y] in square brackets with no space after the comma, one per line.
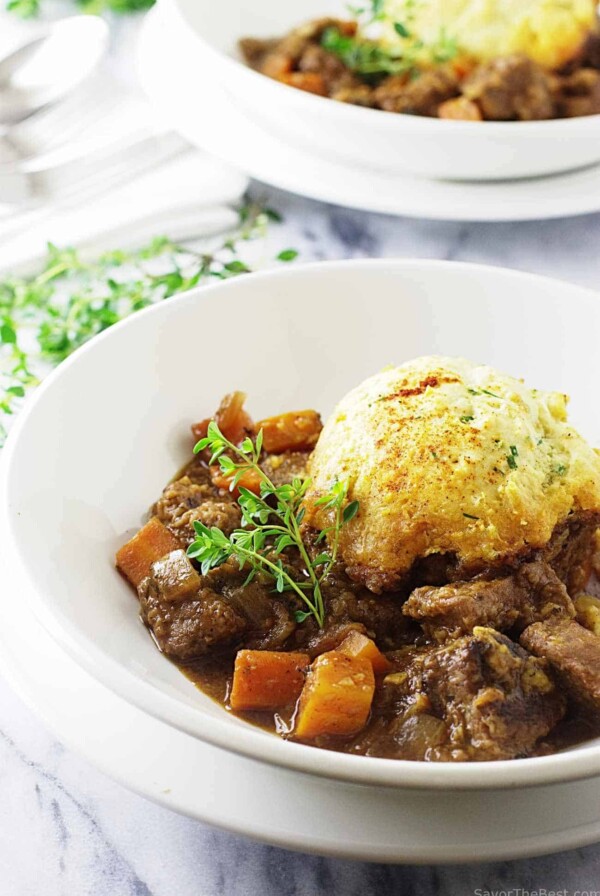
[455,150]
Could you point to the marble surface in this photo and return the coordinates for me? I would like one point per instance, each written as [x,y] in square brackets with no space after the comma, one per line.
[66,830]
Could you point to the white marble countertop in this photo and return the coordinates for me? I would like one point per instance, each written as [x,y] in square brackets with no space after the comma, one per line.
[67,830]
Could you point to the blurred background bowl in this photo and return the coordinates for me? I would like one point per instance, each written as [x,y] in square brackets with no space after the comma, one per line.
[455,150]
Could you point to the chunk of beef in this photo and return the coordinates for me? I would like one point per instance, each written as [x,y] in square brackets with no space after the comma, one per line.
[334,73]
[574,654]
[191,626]
[421,96]
[186,500]
[495,700]
[480,697]
[571,550]
[191,615]
[578,94]
[254,50]
[532,593]
[381,617]
[282,468]
[276,57]
[511,88]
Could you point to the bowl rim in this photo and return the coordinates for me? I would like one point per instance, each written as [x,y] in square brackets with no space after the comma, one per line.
[239,69]
[245,739]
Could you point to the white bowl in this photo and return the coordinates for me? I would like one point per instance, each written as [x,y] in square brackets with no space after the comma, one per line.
[430,147]
[110,427]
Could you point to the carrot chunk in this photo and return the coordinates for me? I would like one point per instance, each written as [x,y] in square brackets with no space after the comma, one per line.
[460,109]
[357,644]
[294,431]
[337,696]
[152,542]
[312,82]
[277,64]
[249,479]
[267,679]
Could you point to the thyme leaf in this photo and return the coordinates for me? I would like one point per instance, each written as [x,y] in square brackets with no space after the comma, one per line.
[270,525]
[46,317]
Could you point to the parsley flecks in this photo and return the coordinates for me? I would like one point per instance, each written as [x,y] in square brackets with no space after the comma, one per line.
[510,460]
[271,523]
[44,318]
[470,516]
[467,418]
[434,455]
[560,470]
[513,450]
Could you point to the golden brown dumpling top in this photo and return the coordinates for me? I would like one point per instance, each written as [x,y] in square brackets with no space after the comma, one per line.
[448,457]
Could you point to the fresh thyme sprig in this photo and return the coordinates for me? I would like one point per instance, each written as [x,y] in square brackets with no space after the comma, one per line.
[46,317]
[271,522]
[373,59]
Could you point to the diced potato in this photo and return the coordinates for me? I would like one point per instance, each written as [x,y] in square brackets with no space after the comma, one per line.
[357,644]
[294,431]
[175,576]
[151,543]
[267,679]
[337,696]
[588,612]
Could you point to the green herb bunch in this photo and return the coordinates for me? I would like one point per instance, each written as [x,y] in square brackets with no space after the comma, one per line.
[44,318]
[271,523]
[372,60]
[29,8]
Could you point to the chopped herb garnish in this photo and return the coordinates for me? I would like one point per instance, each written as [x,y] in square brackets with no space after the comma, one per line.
[373,59]
[470,516]
[467,418]
[561,469]
[513,450]
[434,455]
[271,523]
[510,460]
[483,392]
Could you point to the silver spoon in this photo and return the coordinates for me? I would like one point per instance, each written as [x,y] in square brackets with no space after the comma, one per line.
[49,66]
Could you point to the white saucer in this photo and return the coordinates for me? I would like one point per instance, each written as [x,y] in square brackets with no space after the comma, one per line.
[175,77]
[281,807]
